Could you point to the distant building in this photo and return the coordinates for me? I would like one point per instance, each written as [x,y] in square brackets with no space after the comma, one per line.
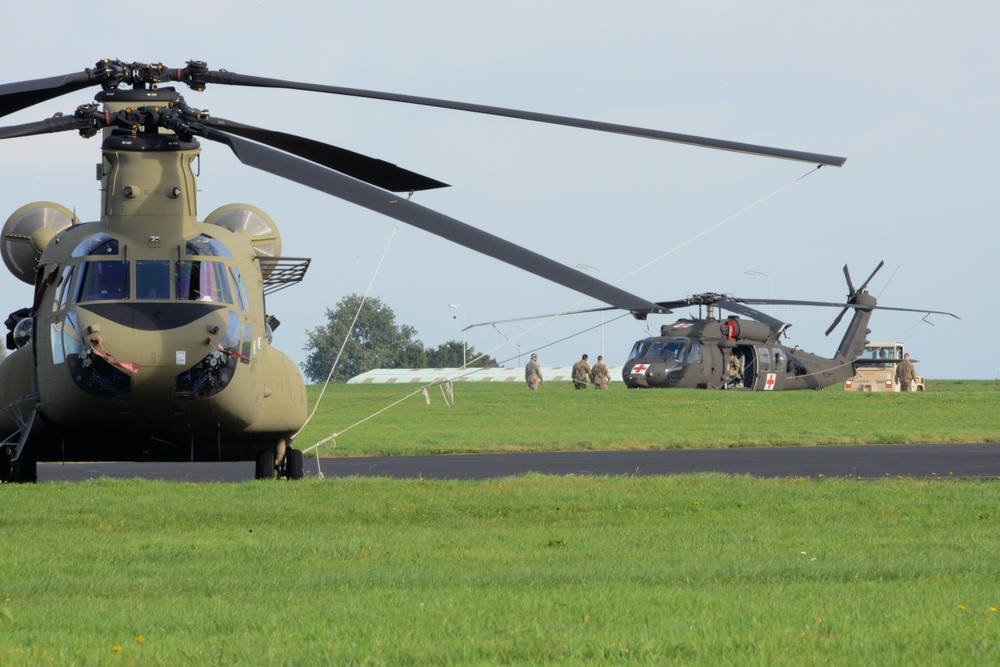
[428,375]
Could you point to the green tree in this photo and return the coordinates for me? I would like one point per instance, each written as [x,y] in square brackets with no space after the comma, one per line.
[450,355]
[376,341]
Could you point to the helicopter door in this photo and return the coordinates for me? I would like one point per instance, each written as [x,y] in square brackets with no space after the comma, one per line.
[779,361]
[771,367]
[748,362]
[764,369]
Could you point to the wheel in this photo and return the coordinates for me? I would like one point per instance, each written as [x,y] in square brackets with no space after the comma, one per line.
[294,463]
[25,471]
[265,465]
[6,472]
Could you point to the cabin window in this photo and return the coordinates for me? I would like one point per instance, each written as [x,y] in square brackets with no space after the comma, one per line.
[238,337]
[206,245]
[764,360]
[98,244]
[103,280]
[66,339]
[203,281]
[152,279]
[694,354]
[779,360]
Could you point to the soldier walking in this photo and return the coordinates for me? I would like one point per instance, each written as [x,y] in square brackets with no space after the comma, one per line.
[906,374]
[600,375]
[581,373]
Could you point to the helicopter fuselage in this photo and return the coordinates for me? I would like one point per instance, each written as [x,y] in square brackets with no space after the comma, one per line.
[696,354]
[149,335]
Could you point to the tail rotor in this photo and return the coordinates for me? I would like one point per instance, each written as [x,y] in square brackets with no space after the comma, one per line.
[852,294]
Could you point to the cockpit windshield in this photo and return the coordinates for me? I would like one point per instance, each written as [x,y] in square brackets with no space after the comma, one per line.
[152,279]
[103,280]
[673,350]
[650,348]
[203,281]
[880,356]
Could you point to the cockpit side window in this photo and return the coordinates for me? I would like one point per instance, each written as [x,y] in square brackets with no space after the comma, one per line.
[64,288]
[203,281]
[103,280]
[243,301]
[673,350]
[639,349]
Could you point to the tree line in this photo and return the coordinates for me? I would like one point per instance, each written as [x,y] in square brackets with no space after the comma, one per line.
[376,341]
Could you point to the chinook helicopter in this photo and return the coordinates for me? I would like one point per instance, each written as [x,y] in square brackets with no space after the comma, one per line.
[738,353]
[148,335]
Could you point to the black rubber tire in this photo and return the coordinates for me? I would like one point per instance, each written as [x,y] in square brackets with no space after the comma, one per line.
[26,471]
[6,471]
[265,465]
[294,464]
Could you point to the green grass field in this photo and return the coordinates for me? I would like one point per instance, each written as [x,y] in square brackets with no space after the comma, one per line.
[690,570]
[507,417]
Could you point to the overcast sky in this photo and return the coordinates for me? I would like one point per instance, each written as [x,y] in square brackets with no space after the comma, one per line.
[907,92]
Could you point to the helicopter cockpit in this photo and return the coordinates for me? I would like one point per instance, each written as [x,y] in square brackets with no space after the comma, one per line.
[105,279]
[651,349]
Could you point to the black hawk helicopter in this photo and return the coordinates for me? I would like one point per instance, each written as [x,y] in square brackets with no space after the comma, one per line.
[738,353]
[148,335]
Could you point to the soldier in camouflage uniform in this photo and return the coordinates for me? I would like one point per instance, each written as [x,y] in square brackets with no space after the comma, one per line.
[581,373]
[599,374]
[533,373]
[906,374]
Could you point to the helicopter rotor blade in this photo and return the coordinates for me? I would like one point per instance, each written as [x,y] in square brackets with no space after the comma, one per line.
[111,73]
[47,126]
[367,196]
[541,317]
[845,306]
[370,170]
[864,285]
[836,321]
[850,285]
[752,313]
[23,94]
[232,78]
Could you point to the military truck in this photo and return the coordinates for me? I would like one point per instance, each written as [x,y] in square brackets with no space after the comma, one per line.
[875,369]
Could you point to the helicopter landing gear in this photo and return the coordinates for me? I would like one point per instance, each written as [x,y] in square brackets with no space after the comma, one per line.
[290,464]
[22,471]
[294,464]
[265,465]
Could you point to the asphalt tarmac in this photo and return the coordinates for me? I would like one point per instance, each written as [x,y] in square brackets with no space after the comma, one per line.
[855,462]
